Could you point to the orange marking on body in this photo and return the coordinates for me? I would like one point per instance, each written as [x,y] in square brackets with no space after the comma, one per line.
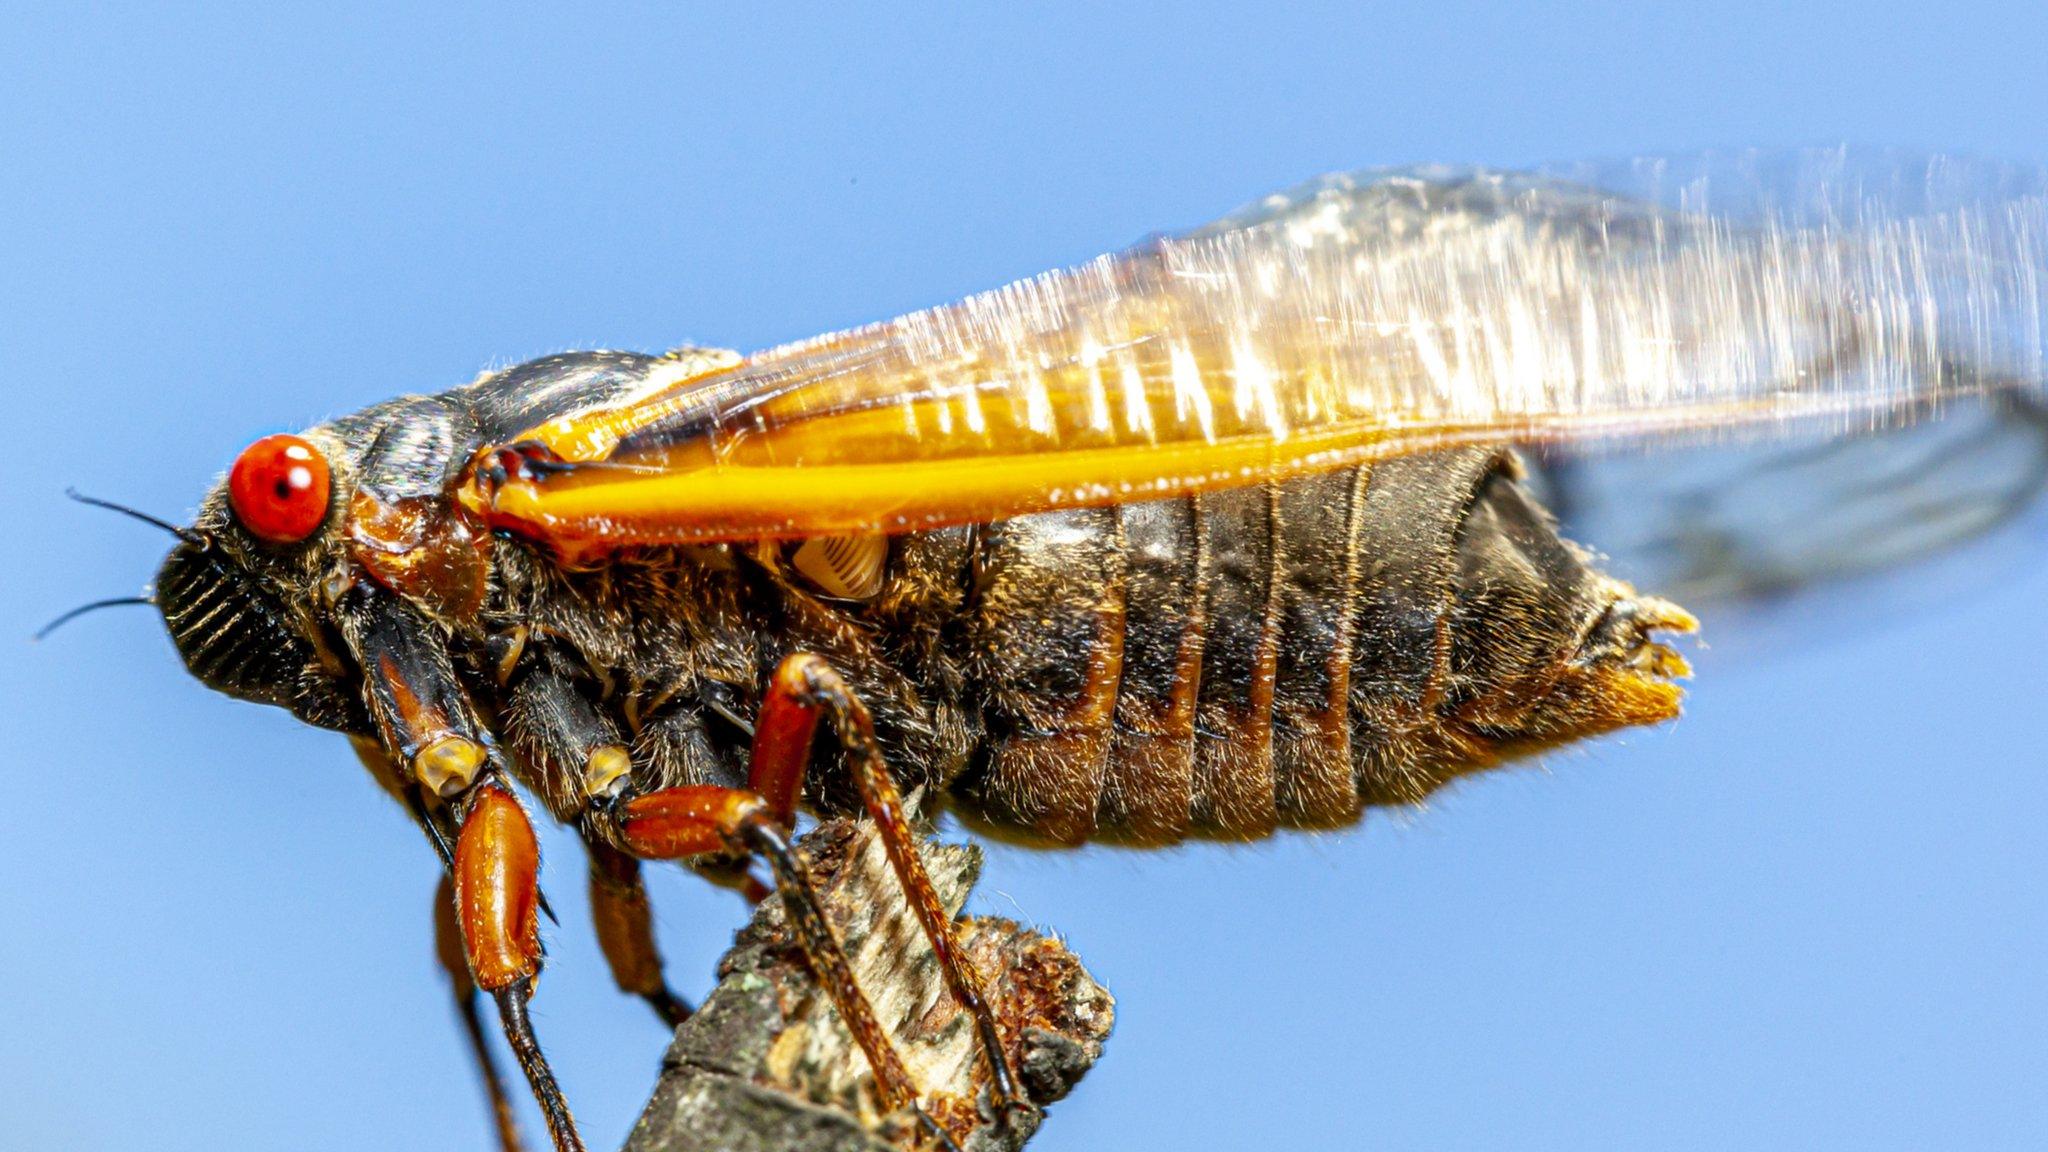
[420,724]
[432,551]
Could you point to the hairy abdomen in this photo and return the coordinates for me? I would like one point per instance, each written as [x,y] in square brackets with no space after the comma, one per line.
[1219,665]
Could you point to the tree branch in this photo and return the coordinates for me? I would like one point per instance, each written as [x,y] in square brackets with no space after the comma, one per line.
[766,1066]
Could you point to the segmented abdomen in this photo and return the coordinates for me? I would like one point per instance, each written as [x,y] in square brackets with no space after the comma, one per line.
[1218,665]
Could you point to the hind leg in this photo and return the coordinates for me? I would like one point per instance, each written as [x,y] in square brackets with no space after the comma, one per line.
[806,689]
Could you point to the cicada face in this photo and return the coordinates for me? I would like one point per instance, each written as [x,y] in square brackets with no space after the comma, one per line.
[244,594]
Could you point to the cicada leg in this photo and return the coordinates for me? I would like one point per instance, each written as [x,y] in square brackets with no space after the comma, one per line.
[449,949]
[702,819]
[625,931]
[497,901]
[804,689]
[427,724]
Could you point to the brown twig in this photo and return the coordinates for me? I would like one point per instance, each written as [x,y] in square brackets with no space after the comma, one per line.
[765,1065]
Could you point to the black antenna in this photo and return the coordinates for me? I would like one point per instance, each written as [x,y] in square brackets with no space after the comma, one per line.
[185,534]
[82,609]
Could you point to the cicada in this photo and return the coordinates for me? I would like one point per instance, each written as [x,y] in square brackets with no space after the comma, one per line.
[1231,532]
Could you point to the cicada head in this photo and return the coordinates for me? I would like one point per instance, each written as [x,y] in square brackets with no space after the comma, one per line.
[268,597]
[242,592]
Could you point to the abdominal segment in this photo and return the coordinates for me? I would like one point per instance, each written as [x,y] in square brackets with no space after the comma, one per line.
[1288,653]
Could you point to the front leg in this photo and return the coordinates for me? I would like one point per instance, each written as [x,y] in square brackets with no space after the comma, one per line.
[430,730]
[454,957]
[497,902]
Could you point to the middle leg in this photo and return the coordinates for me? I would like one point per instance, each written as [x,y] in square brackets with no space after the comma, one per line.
[703,819]
[804,690]
[625,930]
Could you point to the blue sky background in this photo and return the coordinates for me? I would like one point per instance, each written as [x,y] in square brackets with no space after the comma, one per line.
[1810,916]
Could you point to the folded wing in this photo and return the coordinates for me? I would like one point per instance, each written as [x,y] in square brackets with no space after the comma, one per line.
[1355,318]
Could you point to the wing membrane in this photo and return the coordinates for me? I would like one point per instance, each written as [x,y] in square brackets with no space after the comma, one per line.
[1759,523]
[1356,318]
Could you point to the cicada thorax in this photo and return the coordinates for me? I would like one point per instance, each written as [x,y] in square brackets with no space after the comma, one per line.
[665,653]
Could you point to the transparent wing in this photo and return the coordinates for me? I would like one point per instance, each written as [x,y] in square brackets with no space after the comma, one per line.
[1355,318]
[1768,520]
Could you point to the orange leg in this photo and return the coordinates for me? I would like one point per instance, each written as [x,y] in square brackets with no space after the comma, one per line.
[805,688]
[497,901]
[700,819]
[448,948]
[625,931]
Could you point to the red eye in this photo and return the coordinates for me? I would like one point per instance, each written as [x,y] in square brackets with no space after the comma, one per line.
[278,488]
